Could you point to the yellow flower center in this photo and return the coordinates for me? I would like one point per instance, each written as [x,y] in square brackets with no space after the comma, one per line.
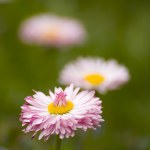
[94,79]
[56,109]
[51,34]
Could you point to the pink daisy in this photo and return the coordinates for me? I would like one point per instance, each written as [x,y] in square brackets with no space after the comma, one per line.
[61,113]
[51,30]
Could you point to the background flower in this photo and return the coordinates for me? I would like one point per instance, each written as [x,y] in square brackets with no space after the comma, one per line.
[51,30]
[61,113]
[94,73]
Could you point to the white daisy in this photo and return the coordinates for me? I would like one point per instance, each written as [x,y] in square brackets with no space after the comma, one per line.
[94,73]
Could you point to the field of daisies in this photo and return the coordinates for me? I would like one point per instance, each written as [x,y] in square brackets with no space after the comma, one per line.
[74,75]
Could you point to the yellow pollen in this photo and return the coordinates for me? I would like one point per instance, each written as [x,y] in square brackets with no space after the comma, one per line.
[60,109]
[94,79]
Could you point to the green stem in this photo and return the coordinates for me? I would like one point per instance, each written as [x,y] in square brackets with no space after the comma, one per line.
[58,143]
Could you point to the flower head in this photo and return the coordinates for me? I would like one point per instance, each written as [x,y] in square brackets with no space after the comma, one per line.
[50,30]
[94,73]
[62,112]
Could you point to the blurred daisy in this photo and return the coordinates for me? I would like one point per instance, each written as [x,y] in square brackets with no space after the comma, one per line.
[62,112]
[50,30]
[94,73]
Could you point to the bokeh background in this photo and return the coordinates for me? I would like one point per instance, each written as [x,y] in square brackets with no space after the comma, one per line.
[117,29]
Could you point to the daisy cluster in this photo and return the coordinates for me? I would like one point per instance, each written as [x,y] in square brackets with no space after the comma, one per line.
[64,111]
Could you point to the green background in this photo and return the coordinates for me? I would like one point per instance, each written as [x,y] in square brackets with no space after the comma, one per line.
[117,29]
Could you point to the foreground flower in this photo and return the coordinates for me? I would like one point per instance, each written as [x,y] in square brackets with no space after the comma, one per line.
[62,112]
[94,73]
[50,30]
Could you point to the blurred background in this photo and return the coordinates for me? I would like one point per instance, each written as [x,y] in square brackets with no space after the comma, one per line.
[117,29]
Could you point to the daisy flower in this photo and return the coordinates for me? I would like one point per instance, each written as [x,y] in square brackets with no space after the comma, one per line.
[61,112]
[94,73]
[51,30]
